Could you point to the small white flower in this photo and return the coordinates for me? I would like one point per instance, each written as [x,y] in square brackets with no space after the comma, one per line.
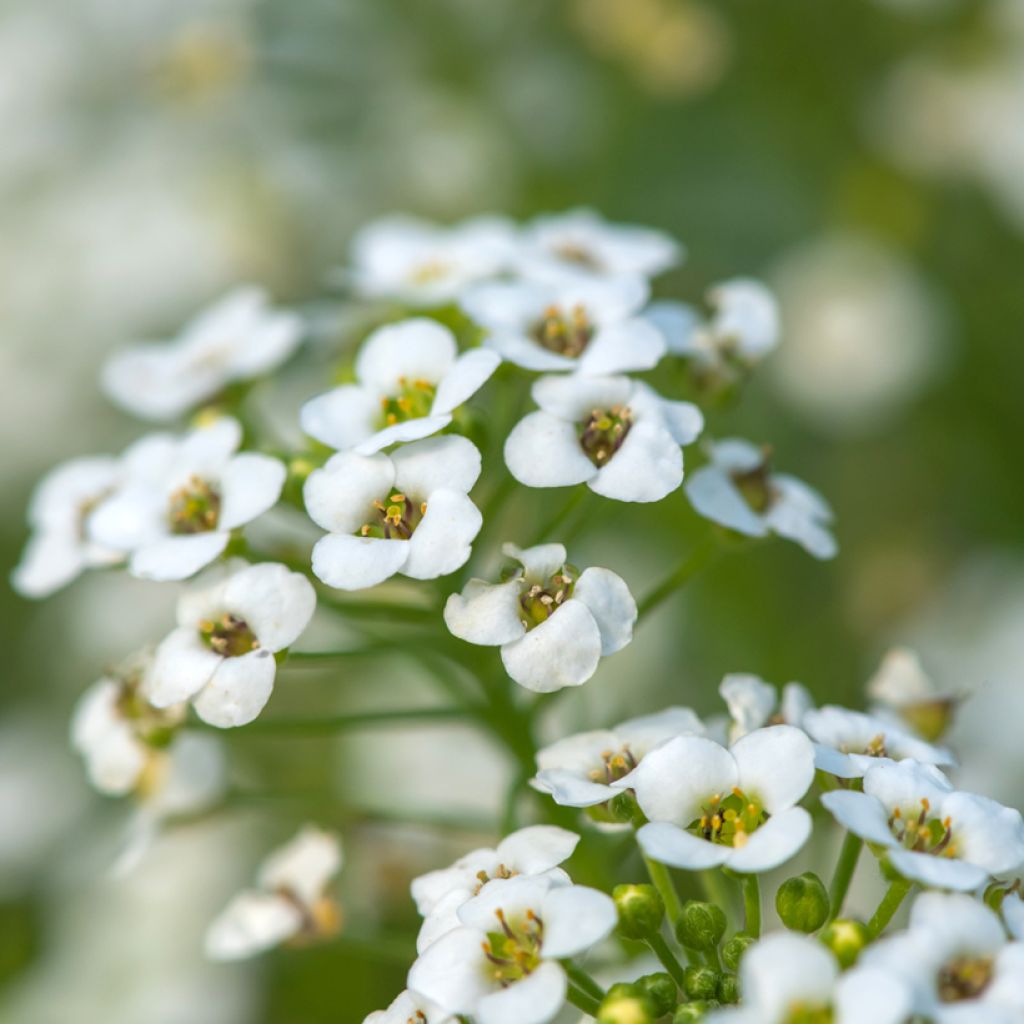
[955,959]
[739,490]
[591,327]
[615,434]
[238,338]
[580,242]
[291,901]
[901,687]
[753,703]
[60,548]
[181,497]
[410,1008]
[578,771]
[1013,913]
[710,806]
[743,328]
[787,978]
[552,622]
[847,743]
[410,378]
[930,832]
[426,264]
[502,963]
[221,656]
[407,512]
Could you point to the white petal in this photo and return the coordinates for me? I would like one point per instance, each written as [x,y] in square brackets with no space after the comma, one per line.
[355,563]
[677,322]
[783,971]
[669,844]
[409,430]
[195,778]
[542,451]
[441,542]
[904,785]
[442,918]
[341,418]
[451,462]
[205,450]
[1013,915]
[467,375]
[183,665]
[713,494]
[51,559]
[940,872]
[252,923]
[537,848]
[842,766]
[611,604]
[521,350]
[450,972]
[579,753]
[485,613]
[683,420]
[505,303]
[534,1000]
[276,603]
[538,562]
[268,343]
[562,651]
[645,733]
[305,865]
[954,922]
[250,484]
[419,349]
[574,398]
[575,919]
[747,314]
[177,558]
[987,833]
[750,701]
[632,344]
[775,842]
[869,995]
[792,519]
[132,516]
[861,814]
[776,765]
[569,789]
[340,496]
[647,467]
[238,691]
[146,380]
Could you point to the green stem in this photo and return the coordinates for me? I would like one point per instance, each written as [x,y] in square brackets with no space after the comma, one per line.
[583,981]
[752,905]
[330,724]
[891,901]
[662,881]
[691,565]
[567,509]
[843,875]
[661,950]
[311,657]
[715,888]
[582,1001]
[396,611]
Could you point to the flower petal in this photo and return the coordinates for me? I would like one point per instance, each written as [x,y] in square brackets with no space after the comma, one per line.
[987,833]
[568,789]
[574,398]
[252,923]
[409,430]
[669,844]
[677,322]
[250,484]
[341,418]
[276,603]
[450,971]
[784,971]
[611,604]
[537,848]
[467,375]
[713,494]
[861,814]
[177,558]
[238,691]
[870,995]
[340,496]
[485,613]
[182,666]
[632,344]
[775,842]
[562,651]
[304,865]
[451,462]
[776,765]
[355,563]
[645,733]
[647,467]
[417,349]
[442,541]
[538,562]
[940,872]
[542,451]
[575,919]
[534,1000]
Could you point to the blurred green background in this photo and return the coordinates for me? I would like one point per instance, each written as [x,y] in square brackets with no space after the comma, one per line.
[865,158]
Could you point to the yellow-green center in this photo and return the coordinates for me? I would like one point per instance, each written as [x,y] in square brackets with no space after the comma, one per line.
[539,601]
[964,978]
[228,636]
[513,949]
[567,334]
[601,434]
[194,508]
[615,764]
[923,832]
[413,401]
[729,820]
[394,518]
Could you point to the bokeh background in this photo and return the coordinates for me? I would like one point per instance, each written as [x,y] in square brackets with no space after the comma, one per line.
[866,158]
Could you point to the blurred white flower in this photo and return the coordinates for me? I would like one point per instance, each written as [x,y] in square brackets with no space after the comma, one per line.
[615,434]
[753,703]
[901,688]
[221,656]
[408,512]
[410,379]
[291,902]
[410,1007]
[552,623]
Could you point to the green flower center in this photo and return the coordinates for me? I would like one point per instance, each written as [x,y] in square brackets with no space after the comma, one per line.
[395,518]
[755,485]
[804,1013]
[964,978]
[413,401]
[514,949]
[729,820]
[566,334]
[228,636]
[602,433]
[615,764]
[541,600]
[153,726]
[924,833]
[194,508]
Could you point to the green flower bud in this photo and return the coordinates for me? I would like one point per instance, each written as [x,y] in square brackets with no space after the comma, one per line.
[623,808]
[640,908]
[846,938]
[661,990]
[626,1004]
[728,989]
[701,925]
[802,902]
[690,1013]
[733,950]
[700,982]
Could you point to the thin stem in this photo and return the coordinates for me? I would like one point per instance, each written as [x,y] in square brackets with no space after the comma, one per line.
[577,495]
[752,905]
[330,724]
[894,896]
[583,981]
[662,881]
[582,1001]
[690,566]
[843,875]
[312,657]
[661,950]
[396,611]
[715,888]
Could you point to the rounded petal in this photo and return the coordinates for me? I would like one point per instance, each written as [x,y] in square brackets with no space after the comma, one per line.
[940,872]
[611,604]
[409,430]
[776,765]
[750,701]
[987,833]
[417,349]
[645,733]
[861,814]
[575,919]
[534,1000]
[632,344]
[238,691]
[450,971]
[505,303]
[304,865]
[276,603]
[562,651]
[683,420]
[51,560]
[341,418]
[669,844]
[569,789]
[579,753]
[177,558]
[182,666]
[537,848]
[677,322]
[542,451]
[252,923]
[792,519]
[713,494]
[250,484]
[574,398]
[1013,915]
[904,785]
[784,971]
[775,842]
[647,467]
[467,375]
[451,462]
[870,995]
[132,516]
[521,350]
[538,562]
[442,541]
[340,496]
[485,613]
[355,563]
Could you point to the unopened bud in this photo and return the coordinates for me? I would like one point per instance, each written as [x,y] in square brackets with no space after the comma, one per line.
[691,1013]
[802,903]
[728,989]
[640,908]
[846,937]
[733,950]
[700,982]
[624,809]
[701,925]
[626,1004]
[661,990]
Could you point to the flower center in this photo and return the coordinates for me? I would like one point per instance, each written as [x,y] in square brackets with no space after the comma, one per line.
[500,872]
[395,518]
[229,636]
[541,600]
[573,252]
[729,820]
[614,766]
[153,726]
[964,978]
[875,747]
[924,833]
[755,485]
[602,433]
[194,508]
[430,271]
[567,334]
[413,401]
[320,920]
[807,1013]
[514,949]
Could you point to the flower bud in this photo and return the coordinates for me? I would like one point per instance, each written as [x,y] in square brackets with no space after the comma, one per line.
[661,990]
[728,989]
[623,808]
[626,1004]
[733,950]
[690,1013]
[700,982]
[846,938]
[640,908]
[802,902]
[701,925]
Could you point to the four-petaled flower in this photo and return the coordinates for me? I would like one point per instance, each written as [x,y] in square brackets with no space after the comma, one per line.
[410,1008]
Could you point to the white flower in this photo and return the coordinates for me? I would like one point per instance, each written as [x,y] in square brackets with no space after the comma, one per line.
[426,264]
[847,743]
[615,434]
[580,242]
[552,622]
[753,703]
[578,771]
[710,806]
[955,959]
[534,850]
[502,964]
[903,688]
[410,1008]
[408,512]
[1013,913]
[221,656]
[786,978]
[744,327]
[592,327]
[739,490]
[290,902]
[182,496]
[930,832]
[237,338]
[410,378]
[60,548]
